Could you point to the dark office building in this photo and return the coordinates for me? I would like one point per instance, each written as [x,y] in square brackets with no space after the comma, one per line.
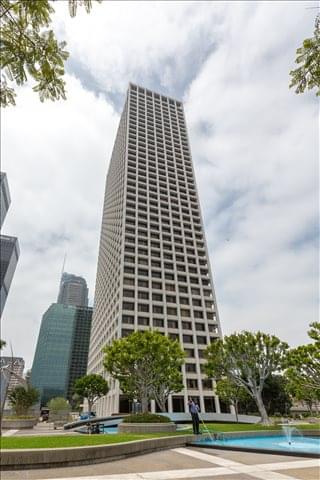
[80,346]
[9,246]
[4,197]
[62,350]
[73,290]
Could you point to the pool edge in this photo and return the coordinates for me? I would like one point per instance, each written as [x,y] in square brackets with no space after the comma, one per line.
[256,450]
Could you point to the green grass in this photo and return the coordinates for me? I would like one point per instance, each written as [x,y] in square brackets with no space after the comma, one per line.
[243,427]
[63,441]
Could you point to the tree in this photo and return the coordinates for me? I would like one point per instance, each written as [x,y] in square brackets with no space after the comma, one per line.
[3,343]
[91,387]
[147,366]
[59,404]
[275,396]
[301,392]
[30,50]
[303,362]
[247,359]
[22,398]
[59,409]
[231,393]
[307,75]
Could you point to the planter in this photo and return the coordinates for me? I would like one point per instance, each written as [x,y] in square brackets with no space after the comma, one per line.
[147,427]
[18,423]
[65,457]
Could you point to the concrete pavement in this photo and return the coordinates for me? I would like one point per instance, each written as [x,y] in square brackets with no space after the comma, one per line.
[184,464]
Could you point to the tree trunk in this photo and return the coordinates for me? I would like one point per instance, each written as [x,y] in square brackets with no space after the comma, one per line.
[89,406]
[236,410]
[144,404]
[262,410]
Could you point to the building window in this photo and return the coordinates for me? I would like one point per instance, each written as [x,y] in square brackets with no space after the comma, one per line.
[201,340]
[189,352]
[157,309]
[143,307]
[207,384]
[192,383]
[157,297]
[128,319]
[125,332]
[143,321]
[128,306]
[143,295]
[172,324]
[158,322]
[128,293]
[191,368]
[187,338]
[186,326]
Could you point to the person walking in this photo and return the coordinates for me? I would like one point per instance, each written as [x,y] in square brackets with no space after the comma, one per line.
[194,410]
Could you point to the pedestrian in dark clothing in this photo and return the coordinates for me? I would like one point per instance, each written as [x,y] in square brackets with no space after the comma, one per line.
[194,410]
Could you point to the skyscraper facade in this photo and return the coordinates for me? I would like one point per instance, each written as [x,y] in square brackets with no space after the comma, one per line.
[153,266]
[62,350]
[4,197]
[73,290]
[9,246]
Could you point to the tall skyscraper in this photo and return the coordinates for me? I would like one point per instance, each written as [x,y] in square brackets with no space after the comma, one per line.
[4,197]
[73,290]
[153,265]
[9,246]
[11,376]
[62,350]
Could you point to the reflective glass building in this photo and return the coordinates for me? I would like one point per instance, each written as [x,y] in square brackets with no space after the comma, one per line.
[62,350]
[9,246]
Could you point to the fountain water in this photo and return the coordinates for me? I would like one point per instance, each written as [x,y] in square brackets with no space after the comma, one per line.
[289,431]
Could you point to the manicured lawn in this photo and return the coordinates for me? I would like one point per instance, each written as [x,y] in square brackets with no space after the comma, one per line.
[62,441]
[243,427]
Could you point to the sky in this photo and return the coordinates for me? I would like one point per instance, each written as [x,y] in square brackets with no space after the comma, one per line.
[254,144]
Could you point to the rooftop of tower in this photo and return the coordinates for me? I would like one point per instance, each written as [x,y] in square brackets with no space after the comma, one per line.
[179,102]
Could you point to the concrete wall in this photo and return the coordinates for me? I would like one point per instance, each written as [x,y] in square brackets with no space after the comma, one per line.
[63,457]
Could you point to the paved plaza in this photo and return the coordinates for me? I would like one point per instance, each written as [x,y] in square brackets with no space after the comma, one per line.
[184,464]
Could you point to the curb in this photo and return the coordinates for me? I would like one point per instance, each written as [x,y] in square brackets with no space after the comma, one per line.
[71,456]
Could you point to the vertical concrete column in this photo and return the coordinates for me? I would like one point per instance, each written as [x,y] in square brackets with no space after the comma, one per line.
[170,408]
[217,404]
[202,409]
[116,402]
[153,406]
[186,406]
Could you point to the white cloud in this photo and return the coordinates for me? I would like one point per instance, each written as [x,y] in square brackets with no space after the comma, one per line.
[258,172]
[55,156]
[254,145]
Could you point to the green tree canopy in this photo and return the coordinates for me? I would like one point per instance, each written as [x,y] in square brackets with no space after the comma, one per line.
[22,398]
[3,343]
[59,404]
[307,74]
[30,50]
[147,365]
[275,396]
[231,393]
[300,392]
[247,360]
[303,362]
[91,387]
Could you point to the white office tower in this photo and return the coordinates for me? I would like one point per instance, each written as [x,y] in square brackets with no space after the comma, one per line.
[153,267]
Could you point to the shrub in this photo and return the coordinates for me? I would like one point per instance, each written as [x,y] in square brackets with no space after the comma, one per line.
[146,418]
[22,398]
